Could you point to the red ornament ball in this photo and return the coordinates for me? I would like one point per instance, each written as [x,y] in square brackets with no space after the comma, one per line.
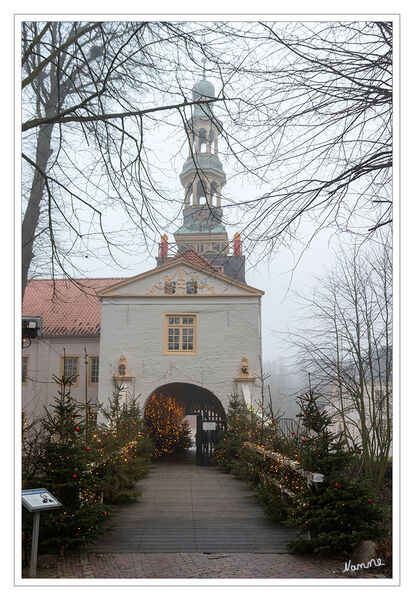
[336,484]
[127,434]
[87,447]
[303,439]
[292,432]
[105,513]
[106,435]
[369,500]
[308,504]
[359,451]
[77,428]
[74,475]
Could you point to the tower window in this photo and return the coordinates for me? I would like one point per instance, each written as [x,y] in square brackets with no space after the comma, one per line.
[201,190]
[203,140]
[180,334]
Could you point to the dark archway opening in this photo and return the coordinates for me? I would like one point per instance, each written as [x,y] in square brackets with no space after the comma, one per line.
[206,410]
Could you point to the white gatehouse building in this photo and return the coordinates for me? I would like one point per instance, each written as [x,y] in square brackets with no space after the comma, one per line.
[190,327]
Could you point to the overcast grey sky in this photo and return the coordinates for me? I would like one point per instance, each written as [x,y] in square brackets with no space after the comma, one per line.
[290,269]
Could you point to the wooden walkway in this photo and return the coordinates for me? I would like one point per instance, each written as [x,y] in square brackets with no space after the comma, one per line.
[185,508]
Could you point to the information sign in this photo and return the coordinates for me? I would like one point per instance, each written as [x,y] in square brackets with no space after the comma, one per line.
[39,499]
[209,425]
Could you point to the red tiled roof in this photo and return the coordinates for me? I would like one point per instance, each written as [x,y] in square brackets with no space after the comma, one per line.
[67,308]
[72,307]
[195,258]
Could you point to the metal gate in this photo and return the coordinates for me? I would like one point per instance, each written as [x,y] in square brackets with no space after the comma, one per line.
[211,422]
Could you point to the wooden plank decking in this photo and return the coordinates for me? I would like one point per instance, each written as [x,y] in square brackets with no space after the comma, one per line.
[185,508]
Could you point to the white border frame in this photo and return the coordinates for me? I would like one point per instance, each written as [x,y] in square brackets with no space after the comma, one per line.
[396,187]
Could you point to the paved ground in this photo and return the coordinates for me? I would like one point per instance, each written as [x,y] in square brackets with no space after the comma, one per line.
[192,523]
[185,508]
[182,565]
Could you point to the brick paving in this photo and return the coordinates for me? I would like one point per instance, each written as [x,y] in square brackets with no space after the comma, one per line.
[185,565]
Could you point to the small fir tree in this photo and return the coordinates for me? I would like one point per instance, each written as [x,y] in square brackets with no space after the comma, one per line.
[340,512]
[65,470]
[184,441]
[240,429]
[125,452]
[163,424]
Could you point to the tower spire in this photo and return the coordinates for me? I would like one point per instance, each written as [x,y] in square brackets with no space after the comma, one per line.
[203,178]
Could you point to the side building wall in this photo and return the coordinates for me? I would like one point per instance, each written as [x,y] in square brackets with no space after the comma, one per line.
[44,358]
[228,329]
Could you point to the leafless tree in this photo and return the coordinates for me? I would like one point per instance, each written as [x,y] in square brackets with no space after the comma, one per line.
[348,351]
[306,109]
[321,114]
[84,136]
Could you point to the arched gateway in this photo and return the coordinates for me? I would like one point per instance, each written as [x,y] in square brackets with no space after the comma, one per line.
[211,416]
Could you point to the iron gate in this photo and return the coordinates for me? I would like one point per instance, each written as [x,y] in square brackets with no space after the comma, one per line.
[211,422]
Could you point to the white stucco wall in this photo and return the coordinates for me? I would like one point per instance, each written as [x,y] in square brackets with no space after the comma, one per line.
[228,329]
[44,361]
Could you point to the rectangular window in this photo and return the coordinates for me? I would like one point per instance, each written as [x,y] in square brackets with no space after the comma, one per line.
[70,367]
[25,364]
[93,370]
[180,334]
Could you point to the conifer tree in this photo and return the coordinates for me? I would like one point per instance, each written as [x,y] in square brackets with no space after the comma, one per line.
[65,471]
[340,512]
[126,451]
[239,428]
[163,424]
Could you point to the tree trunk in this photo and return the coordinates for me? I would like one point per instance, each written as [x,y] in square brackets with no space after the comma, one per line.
[32,214]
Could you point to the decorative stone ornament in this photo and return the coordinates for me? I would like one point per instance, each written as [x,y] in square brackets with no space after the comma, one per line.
[122,366]
[245,373]
[244,367]
[122,373]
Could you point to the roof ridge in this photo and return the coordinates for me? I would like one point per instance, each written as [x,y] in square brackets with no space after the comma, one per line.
[73,279]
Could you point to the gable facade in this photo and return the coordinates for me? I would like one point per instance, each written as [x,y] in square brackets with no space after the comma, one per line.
[143,322]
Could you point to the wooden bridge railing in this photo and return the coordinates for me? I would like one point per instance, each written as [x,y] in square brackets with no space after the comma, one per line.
[308,477]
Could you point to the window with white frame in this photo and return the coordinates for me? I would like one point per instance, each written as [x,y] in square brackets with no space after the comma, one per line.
[93,370]
[70,367]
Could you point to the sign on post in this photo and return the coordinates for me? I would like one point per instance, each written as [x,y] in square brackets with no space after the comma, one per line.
[209,425]
[36,501]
